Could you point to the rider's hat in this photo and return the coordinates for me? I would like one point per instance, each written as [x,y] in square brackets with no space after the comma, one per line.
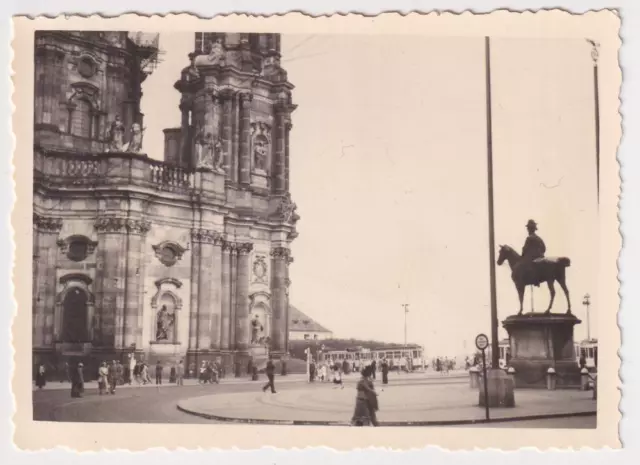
[532,224]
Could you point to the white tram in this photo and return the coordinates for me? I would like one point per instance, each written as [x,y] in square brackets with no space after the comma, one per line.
[589,350]
[412,354]
[505,353]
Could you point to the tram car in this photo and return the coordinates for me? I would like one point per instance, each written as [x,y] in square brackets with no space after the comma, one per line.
[588,349]
[398,358]
[504,347]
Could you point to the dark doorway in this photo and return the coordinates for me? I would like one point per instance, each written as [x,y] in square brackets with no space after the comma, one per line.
[74,320]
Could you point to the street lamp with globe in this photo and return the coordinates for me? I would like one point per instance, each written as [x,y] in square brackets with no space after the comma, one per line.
[587,302]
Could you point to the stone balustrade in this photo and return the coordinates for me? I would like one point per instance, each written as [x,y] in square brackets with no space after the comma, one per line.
[106,169]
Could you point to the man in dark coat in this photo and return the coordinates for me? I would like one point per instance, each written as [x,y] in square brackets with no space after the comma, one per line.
[270,370]
[158,372]
[385,371]
[373,369]
[533,249]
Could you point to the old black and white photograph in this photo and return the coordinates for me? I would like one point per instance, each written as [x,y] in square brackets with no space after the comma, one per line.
[321,229]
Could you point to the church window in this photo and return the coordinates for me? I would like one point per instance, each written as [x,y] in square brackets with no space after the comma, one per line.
[81,119]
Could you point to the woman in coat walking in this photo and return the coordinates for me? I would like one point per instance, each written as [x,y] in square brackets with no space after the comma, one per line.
[77,381]
[366,401]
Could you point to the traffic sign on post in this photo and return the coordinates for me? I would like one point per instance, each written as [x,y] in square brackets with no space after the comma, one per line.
[482,342]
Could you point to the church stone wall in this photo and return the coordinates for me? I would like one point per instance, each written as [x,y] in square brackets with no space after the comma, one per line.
[175,259]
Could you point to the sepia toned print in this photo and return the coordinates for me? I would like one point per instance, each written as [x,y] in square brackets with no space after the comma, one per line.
[449,197]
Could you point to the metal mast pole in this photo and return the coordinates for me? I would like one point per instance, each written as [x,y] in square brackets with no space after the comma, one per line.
[495,351]
[406,310]
[596,98]
[587,303]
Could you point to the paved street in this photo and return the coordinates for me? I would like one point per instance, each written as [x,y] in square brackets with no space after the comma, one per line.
[159,405]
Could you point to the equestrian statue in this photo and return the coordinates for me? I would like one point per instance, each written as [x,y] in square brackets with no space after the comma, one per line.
[533,268]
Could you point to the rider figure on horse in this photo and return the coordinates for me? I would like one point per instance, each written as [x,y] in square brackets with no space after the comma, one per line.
[533,249]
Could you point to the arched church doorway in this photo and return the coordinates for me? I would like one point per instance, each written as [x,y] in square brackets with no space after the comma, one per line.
[74,319]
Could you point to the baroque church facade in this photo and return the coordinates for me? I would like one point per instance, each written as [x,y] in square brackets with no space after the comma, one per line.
[186,258]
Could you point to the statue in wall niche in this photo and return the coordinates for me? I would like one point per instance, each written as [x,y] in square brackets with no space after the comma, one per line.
[260,154]
[116,136]
[256,330]
[217,53]
[135,144]
[218,156]
[164,324]
[204,150]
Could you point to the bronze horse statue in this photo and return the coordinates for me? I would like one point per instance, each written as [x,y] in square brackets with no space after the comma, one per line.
[532,273]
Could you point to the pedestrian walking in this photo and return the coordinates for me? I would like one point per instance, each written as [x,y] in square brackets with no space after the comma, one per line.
[385,371]
[337,377]
[103,374]
[366,401]
[41,380]
[77,380]
[270,370]
[145,373]
[373,369]
[158,373]
[112,377]
[180,374]
[119,373]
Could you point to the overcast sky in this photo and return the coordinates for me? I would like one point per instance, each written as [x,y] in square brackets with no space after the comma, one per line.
[388,168]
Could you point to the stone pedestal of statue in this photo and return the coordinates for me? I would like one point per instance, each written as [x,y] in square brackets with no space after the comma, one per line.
[540,341]
[500,387]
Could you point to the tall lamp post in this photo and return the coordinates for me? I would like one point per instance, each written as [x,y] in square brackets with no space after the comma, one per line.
[596,99]
[406,310]
[587,302]
[495,350]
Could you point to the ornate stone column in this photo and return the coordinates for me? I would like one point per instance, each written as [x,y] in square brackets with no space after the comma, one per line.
[111,272]
[280,261]
[215,304]
[195,285]
[226,136]
[278,170]
[206,286]
[45,254]
[287,127]
[235,168]
[233,260]
[287,287]
[225,322]
[186,160]
[245,138]
[137,229]
[242,295]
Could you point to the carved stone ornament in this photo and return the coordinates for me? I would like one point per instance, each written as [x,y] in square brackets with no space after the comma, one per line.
[260,269]
[287,210]
[113,224]
[281,253]
[207,236]
[77,247]
[168,281]
[48,224]
[245,248]
[87,66]
[168,252]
